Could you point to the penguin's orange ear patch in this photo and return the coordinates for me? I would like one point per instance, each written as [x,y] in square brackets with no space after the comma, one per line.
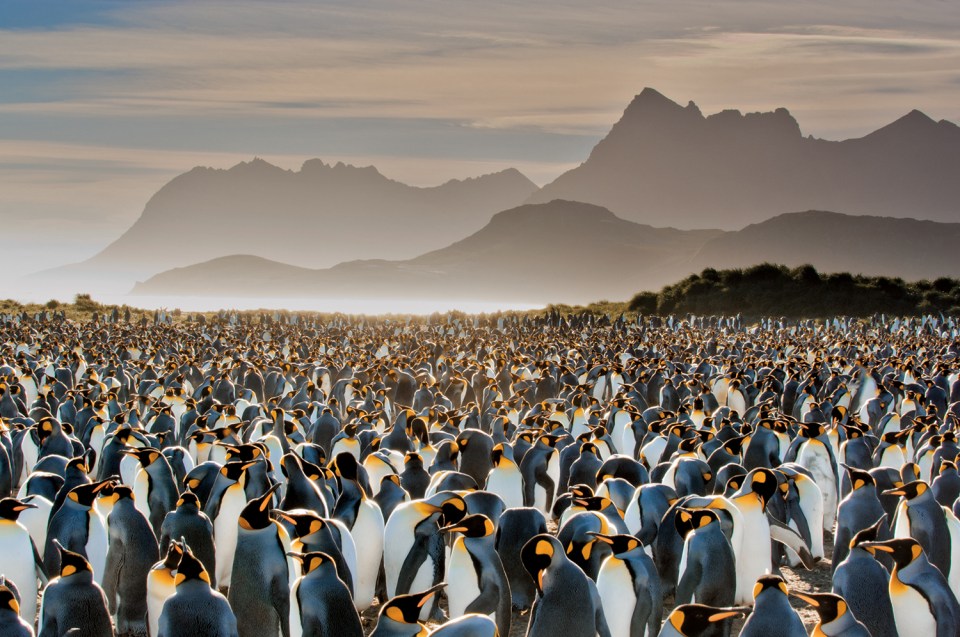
[544,548]
[395,614]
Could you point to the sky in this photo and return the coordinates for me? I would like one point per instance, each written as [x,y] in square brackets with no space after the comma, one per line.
[102,102]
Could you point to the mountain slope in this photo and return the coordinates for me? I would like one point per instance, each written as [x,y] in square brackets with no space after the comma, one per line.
[318,216]
[666,161]
[560,251]
[571,252]
[907,248]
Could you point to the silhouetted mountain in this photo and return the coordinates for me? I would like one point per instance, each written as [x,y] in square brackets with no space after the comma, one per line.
[318,216]
[832,242]
[571,252]
[561,251]
[663,161]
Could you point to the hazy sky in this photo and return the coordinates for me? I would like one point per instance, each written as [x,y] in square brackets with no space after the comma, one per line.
[104,101]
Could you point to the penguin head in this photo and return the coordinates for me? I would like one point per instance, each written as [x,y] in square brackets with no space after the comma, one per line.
[188,499]
[619,544]
[859,478]
[312,561]
[8,601]
[688,520]
[910,472]
[829,607]
[85,494]
[910,490]
[405,609]
[256,515]
[769,583]
[11,508]
[593,503]
[234,471]
[305,523]
[903,550]
[476,525]
[71,563]
[78,464]
[761,482]
[538,554]
[174,554]
[146,455]
[345,466]
[695,619]
[190,568]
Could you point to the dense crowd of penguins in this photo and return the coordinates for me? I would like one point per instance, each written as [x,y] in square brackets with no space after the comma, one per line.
[261,475]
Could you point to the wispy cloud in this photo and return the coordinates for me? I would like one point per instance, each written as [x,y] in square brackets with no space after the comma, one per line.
[105,100]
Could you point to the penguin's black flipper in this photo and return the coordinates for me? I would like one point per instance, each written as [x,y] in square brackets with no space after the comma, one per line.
[38,564]
[780,532]
[411,564]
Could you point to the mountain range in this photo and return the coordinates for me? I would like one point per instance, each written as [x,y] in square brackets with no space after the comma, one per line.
[571,252]
[342,231]
[667,161]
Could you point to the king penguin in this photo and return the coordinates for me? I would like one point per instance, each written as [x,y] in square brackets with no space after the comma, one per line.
[707,564]
[11,623]
[79,528]
[772,613]
[161,584]
[320,602]
[836,620]
[259,591]
[189,523]
[195,608]
[923,604]
[629,588]
[476,579]
[865,584]
[73,601]
[19,559]
[558,580]
[131,552]
[696,620]
[400,616]
[416,558]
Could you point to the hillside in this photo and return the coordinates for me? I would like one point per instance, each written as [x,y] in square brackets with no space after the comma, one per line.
[318,216]
[802,292]
[560,251]
[662,160]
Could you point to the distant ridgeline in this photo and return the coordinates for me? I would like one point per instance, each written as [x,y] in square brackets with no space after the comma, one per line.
[801,292]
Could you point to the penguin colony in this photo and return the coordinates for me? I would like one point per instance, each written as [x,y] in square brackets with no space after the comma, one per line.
[263,475]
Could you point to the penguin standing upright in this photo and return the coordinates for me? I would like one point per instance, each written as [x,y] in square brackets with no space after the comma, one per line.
[629,588]
[516,527]
[364,519]
[224,506]
[161,585]
[19,559]
[772,613]
[320,602]
[189,523]
[540,469]
[73,601]
[864,583]
[131,552]
[195,608]
[79,528]
[417,554]
[921,517]
[707,565]
[923,604]
[259,590]
[155,491]
[476,579]
[558,580]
